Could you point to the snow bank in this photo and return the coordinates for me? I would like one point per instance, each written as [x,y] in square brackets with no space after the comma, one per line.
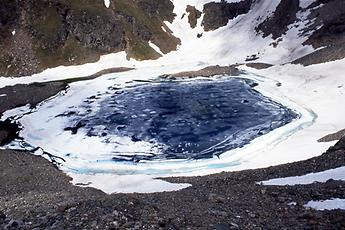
[109,183]
[331,204]
[335,174]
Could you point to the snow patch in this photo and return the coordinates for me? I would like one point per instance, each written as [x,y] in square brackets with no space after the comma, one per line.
[112,183]
[335,174]
[305,3]
[331,204]
[163,28]
[107,3]
[156,48]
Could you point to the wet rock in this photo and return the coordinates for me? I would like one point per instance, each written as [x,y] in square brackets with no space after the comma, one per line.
[221,227]
[216,198]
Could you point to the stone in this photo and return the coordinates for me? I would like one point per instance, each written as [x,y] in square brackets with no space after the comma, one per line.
[218,14]
[14,224]
[221,227]
[216,198]
[2,216]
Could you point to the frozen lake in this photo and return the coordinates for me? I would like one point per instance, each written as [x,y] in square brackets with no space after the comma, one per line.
[180,119]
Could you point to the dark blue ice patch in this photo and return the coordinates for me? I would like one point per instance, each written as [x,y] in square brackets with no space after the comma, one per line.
[192,120]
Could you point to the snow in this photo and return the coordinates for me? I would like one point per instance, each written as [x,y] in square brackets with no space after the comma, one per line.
[124,184]
[305,3]
[163,28]
[14,32]
[3,95]
[312,91]
[335,174]
[107,3]
[232,43]
[315,88]
[155,47]
[331,204]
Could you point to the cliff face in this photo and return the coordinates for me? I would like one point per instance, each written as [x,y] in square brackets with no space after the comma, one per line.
[35,35]
[329,37]
[218,14]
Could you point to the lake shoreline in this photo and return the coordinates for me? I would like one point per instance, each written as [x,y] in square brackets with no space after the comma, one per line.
[35,194]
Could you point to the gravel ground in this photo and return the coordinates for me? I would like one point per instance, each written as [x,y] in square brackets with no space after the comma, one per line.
[34,194]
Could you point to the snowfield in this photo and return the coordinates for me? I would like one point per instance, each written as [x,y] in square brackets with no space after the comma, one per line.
[316,92]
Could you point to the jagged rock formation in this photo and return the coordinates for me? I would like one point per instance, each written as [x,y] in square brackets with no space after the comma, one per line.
[330,37]
[36,35]
[277,24]
[193,15]
[218,14]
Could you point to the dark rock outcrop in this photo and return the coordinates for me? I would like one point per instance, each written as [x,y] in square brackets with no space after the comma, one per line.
[60,32]
[8,17]
[284,15]
[328,32]
[85,29]
[158,8]
[193,15]
[218,14]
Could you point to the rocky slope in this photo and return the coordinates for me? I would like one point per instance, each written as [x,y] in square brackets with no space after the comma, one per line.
[36,35]
[35,195]
[43,34]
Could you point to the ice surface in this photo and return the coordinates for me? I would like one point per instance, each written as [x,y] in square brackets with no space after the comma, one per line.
[181,119]
[82,152]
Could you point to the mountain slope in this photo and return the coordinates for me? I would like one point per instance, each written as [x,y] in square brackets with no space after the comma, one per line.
[41,34]
[45,34]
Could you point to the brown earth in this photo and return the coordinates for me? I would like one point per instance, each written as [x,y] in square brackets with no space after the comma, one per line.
[205,72]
